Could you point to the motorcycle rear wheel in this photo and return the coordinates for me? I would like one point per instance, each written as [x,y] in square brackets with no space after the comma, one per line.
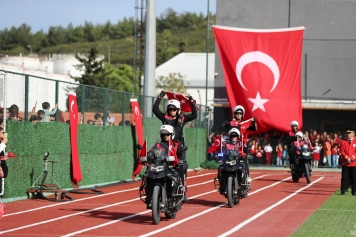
[307,173]
[230,195]
[156,210]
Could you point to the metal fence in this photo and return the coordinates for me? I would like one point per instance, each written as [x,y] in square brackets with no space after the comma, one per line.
[29,91]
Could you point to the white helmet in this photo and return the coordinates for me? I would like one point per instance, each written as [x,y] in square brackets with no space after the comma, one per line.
[238,108]
[167,129]
[234,130]
[174,103]
[294,123]
[300,134]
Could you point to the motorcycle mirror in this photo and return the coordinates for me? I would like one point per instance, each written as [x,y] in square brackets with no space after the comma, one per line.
[138,146]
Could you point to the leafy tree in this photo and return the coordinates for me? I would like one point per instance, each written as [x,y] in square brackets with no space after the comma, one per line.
[172,82]
[56,35]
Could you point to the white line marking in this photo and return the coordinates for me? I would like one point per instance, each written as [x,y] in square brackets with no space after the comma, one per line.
[141,213]
[206,211]
[196,176]
[77,213]
[266,210]
[83,199]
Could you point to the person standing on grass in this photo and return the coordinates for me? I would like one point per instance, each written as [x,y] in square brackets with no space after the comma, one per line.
[348,162]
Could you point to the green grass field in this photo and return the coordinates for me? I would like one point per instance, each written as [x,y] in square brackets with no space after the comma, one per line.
[336,217]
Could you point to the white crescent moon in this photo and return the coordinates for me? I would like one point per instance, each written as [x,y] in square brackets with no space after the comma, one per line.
[218,142]
[257,56]
[71,105]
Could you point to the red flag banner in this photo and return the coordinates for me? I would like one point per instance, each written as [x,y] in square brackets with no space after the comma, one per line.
[184,101]
[262,73]
[143,154]
[73,122]
[139,130]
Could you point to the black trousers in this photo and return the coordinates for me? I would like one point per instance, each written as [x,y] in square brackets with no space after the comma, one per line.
[348,177]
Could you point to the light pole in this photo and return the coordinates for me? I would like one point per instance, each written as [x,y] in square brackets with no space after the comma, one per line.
[29,46]
[207,55]
[109,51]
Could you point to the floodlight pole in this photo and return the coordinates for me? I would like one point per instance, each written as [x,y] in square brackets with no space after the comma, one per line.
[207,56]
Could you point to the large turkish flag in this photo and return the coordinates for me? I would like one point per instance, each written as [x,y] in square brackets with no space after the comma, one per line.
[262,70]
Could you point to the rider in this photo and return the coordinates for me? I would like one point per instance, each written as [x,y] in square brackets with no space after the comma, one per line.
[237,122]
[233,143]
[290,139]
[174,118]
[296,145]
[166,132]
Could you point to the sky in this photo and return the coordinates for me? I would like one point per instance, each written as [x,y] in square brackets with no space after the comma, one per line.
[41,14]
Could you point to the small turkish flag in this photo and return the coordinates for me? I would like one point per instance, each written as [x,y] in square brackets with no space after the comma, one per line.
[216,146]
[262,72]
[184,101]
[172,152]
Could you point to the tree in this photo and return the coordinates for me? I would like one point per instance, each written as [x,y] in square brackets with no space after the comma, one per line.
[92,67]
[172,82]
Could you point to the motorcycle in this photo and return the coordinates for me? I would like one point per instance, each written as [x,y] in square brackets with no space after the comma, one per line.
[232,181]
[161,189]
[302,165]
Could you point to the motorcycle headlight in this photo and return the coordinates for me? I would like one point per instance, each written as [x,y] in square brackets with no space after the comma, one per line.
[306,153]
[156,168]
[231,162]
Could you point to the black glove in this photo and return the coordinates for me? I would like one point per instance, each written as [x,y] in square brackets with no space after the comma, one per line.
[190,98]
[162,94]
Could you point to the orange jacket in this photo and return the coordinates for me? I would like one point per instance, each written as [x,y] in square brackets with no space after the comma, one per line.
[348,150]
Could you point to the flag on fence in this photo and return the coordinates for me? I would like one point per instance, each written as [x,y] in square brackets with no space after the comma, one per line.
[262,73]
[139,130]
[184,101]
[73,122]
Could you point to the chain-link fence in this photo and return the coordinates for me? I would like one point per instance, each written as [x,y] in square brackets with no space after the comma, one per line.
[28,92]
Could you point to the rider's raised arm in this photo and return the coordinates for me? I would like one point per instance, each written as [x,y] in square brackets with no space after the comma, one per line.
[253,125]
[226,124]
[194,114]
[156,111]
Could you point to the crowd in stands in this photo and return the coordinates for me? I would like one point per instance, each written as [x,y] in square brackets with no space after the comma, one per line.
[270,148]
[47,115]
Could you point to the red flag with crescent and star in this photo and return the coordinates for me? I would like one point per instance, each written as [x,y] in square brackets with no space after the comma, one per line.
[262,70]
[216,146]
[73,124]
[184,101]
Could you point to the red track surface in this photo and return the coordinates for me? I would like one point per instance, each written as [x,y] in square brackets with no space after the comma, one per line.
[273,208]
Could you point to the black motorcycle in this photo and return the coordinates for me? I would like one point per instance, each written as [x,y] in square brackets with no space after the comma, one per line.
[302,165]
[232,181]
[161,189]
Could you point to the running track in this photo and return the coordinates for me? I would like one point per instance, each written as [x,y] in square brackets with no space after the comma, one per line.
[275,207]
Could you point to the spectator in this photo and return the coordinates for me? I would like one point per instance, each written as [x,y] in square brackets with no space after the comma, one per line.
[279,151]
[3,166]
[110,119]
[316,154]
[121,123]
[127,123]
[99,119]
[90,122]
[253,149]
[46,107]
[327,152]
[259,154]
[268,149]
[41,113]
[285,156]
[335,155]
[34,119]
[336,140]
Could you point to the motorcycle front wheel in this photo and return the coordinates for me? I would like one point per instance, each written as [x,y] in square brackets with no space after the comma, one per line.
[230,192]
[156,210]
[307,173]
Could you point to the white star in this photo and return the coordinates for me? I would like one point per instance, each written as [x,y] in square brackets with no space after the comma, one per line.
[182,101]
[258,102]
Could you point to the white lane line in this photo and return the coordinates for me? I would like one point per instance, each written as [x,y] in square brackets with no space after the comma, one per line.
[206,211]
[141,213]
[267,209]
[196,176]
[75,214]
[83,199]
